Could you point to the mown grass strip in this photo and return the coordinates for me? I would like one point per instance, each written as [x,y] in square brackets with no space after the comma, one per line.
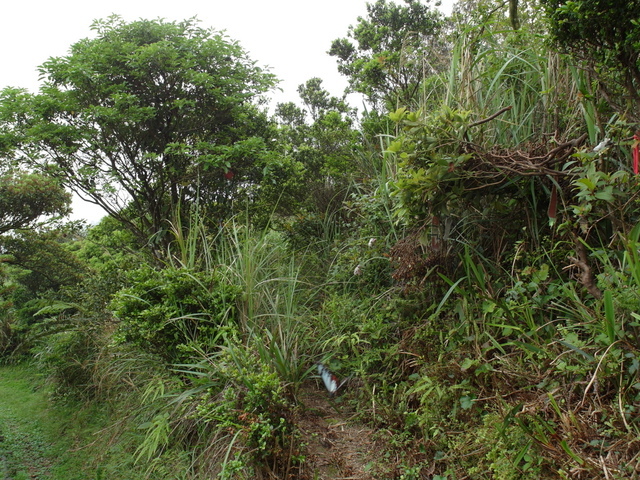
[44,440]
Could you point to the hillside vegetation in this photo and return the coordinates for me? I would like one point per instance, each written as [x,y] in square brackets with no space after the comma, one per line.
[463,253]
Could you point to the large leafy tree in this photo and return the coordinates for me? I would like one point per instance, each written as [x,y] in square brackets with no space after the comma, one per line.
[44,259]
[390,51]
[144,119]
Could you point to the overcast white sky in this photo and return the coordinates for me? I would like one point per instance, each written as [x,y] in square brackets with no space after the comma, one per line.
[289,36]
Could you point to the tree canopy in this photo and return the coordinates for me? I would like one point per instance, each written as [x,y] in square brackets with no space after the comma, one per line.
[465,254]
[148,115]
[321,138]
[396,47]
[606,35]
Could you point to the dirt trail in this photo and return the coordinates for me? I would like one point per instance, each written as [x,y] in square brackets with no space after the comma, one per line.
[338,447]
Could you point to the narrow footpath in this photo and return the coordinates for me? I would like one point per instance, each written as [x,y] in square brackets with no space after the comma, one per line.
[338,446]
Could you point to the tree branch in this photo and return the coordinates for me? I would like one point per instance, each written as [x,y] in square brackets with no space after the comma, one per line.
[491,117]
[586,277]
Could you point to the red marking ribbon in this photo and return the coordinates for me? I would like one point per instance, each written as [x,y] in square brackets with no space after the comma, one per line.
[636,153]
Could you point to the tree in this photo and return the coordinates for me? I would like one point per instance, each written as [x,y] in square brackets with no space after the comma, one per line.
[45,257]
[319,101]
[605,34]
[24,198]
[395,48]
[145,119]
[321,137]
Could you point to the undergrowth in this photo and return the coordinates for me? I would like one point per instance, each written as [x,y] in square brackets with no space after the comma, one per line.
[477,288]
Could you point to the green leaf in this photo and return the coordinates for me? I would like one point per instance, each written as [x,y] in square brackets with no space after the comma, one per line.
[467,401]
[609,316]
[587,183]
[567,449]
[468,363]
[606,194]
[398,115]
[577,350]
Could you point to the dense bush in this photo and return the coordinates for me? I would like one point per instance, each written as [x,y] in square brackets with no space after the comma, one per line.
[166,310]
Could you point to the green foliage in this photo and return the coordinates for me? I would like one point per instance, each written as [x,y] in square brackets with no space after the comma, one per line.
[8,341]
[361,266]
[429,171]
[253,403]
[46,259]
[599,192]
[40,438]
[233,410]
[233,413]
[69,358]
[395,45]
[259,265]
[605,34]
[147,115]
[320,141]
[416,256]
[318,101]
[282,191]
[451,182]
[166,310]
[24,198]
[157,437]
[494,69]
[506,452]
[359,335]
[191,247]
[542,318]
[41,280]
[110,251]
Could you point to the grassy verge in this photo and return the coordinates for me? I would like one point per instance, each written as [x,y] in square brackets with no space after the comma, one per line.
[26,449]
[41,440]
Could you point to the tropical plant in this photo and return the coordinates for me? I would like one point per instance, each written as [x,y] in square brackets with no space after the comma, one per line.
[165,311]
[603,36]
[320,138]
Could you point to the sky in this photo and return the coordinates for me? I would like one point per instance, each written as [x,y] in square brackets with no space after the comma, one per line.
[291,37]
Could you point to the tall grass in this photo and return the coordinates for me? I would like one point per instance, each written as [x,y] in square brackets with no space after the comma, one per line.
[492,68]
[258,262]
[271,309]
[192,246]
[250,373]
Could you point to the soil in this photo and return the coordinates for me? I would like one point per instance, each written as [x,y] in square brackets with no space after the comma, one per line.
[338,446]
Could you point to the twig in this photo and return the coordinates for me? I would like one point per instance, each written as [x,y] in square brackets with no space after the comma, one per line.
[595,375]
[620,392]
[571,143]
[491,117]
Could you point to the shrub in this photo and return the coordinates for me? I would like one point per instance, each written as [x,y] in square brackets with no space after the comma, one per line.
[164,311]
